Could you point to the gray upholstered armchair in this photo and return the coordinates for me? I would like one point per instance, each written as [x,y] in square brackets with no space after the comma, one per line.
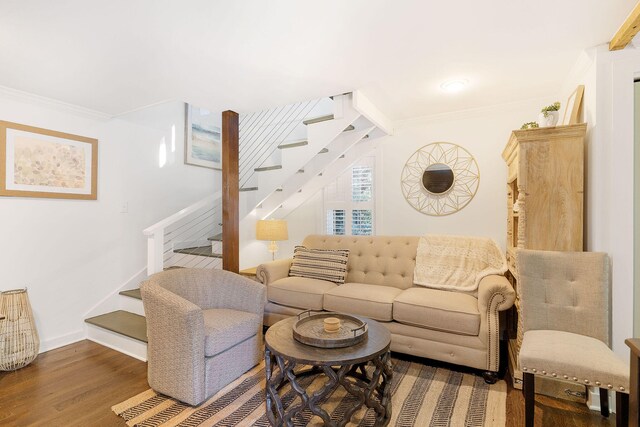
[204,329]
[564,304]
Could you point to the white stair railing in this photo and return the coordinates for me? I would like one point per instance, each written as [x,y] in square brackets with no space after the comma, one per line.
[295,149]
[261,133]
[176,240]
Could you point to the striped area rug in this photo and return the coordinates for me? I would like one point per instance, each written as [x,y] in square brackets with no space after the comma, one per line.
[421,396]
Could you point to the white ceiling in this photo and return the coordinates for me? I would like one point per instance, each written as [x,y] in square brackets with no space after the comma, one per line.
[114,56]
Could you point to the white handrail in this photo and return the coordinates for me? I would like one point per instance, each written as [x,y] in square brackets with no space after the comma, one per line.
[161,225]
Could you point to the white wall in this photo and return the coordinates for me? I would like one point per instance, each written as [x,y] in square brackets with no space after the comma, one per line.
[306,219]
[609,215]
[72,253]
[482,132]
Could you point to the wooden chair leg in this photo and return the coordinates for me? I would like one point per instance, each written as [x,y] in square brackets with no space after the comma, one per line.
[622,409]
[529,390]
[604,402]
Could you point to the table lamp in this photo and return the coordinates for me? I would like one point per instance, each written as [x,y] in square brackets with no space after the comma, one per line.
[272,230]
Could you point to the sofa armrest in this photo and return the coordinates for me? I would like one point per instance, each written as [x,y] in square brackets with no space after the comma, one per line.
[175,349]
[271,271]
[495,294]
[497,291]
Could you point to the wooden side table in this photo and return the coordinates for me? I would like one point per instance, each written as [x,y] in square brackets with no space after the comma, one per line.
[249,273]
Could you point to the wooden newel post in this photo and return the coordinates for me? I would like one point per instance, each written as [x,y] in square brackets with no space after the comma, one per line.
[230,192]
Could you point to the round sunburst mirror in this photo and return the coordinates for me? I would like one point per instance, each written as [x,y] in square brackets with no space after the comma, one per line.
[437,178]
[440,179]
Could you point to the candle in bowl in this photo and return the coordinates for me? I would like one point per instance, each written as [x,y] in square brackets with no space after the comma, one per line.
[331,324]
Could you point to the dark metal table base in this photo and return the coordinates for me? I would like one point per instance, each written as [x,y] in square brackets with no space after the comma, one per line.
[373,392]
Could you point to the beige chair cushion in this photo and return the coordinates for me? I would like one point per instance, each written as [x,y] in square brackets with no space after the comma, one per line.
[371,301]
[300,292]
[573,357]
[440,310]
[224,328]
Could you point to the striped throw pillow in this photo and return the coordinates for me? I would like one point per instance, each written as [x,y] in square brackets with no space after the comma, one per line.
[322,264]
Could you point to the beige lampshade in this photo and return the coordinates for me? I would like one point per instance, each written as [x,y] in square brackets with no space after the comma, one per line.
[272,229]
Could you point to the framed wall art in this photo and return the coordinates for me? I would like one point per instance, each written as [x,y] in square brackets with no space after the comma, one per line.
[37,162]
[574,105]
[203,138]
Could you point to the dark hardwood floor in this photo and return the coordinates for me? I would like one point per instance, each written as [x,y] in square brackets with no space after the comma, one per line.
[76,385]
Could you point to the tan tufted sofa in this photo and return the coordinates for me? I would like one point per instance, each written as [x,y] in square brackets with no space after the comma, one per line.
[454,327]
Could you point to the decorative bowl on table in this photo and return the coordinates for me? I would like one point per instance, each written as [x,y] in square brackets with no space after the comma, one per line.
[329,330]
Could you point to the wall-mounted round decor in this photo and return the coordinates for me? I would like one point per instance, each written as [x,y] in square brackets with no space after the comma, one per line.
[440,179]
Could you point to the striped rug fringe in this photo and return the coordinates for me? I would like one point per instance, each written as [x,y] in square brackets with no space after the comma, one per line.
[422,396]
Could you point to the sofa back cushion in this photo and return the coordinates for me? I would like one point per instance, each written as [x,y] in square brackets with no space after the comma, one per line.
[375,260]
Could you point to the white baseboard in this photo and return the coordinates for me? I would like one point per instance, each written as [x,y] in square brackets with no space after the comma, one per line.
[61,341]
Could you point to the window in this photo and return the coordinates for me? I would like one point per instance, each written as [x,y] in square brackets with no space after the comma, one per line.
[361,222]
[335,221]
[361,183]
[349,201]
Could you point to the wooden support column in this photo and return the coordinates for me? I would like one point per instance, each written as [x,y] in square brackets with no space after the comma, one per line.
[230,192]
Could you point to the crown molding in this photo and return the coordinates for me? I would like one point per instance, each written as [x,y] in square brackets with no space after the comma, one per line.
[473,112]
[23,96]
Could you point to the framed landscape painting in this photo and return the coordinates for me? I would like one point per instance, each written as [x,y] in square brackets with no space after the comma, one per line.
[37,162]
[203,138]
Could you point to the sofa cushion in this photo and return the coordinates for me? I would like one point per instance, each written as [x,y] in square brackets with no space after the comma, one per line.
[299,292]
[371,301]
[323,264]
[377,260]
[453,312]
[224,328]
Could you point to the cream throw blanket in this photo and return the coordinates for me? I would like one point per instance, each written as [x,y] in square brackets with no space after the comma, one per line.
[456,262]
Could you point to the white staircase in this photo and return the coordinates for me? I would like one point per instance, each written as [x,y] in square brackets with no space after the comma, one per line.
[317,150]
[287,154]
[118,321]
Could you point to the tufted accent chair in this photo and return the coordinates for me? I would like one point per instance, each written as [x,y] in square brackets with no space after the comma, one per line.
[564,304]
[204,328]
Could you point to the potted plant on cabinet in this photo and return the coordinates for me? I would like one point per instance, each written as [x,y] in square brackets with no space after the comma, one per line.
[549,115]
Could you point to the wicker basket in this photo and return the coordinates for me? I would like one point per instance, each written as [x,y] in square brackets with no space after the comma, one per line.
[19,343]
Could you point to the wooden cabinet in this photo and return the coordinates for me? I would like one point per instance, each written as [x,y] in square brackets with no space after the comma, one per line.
[545,195]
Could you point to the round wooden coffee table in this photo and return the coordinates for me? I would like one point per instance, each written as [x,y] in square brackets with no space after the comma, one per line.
[342,366]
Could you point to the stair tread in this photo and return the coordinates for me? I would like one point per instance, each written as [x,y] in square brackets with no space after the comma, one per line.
[133,293]
[249,189]
[318,119]
[324,119]
[324,150]
[216,238]
[267,168]
[293,144]
[122,322]
[198,251]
